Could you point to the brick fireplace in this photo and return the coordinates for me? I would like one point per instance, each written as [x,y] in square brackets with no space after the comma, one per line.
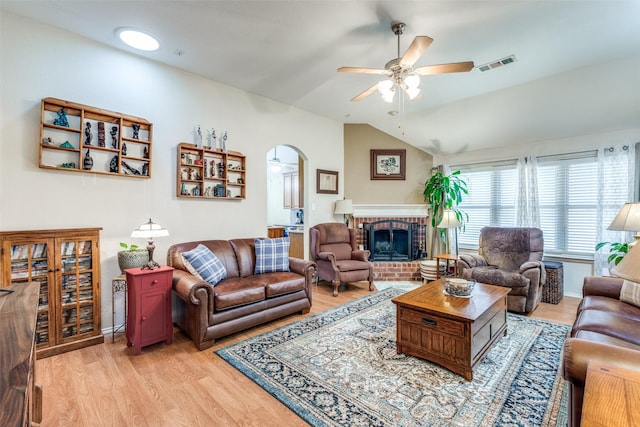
[395,270]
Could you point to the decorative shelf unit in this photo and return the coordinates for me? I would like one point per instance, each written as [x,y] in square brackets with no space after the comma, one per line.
[119,144]
[210,174]
[66,264]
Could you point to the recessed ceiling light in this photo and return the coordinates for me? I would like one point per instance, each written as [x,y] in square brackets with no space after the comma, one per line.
[393,113]
[138,39]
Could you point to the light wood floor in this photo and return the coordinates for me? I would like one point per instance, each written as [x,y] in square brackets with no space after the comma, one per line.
[177,385]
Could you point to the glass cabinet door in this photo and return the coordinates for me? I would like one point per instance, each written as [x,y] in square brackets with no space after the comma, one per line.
[76,288]
[33,262]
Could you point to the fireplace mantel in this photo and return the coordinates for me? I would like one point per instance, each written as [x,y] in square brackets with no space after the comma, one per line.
[390,210]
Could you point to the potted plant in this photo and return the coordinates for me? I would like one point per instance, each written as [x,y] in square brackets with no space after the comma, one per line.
[444,192]
[132,256]
[617,251]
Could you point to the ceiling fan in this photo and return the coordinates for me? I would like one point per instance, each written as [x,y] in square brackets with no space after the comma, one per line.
[400,71]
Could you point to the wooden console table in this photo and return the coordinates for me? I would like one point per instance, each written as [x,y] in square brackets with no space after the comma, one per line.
[611,397]
[21,397]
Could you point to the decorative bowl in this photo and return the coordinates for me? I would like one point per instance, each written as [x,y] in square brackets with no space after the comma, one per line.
[458,287]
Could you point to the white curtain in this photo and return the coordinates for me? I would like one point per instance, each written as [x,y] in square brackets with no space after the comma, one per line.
[616,172]
[527,207]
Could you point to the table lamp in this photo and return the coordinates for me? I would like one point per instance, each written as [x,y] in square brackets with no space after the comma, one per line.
[628,219]
[344,207]
[629,267]
[150,230]
[450,220]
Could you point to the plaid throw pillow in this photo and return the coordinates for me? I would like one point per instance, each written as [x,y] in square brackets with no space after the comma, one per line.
[630,293]
[205,263]
[272,255]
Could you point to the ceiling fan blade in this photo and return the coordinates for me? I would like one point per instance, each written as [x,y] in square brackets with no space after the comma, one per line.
[362,70]
[416,49]
[455,67]
[366,93]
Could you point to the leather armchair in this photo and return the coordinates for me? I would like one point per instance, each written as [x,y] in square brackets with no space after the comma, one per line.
[334,250]
[509,257]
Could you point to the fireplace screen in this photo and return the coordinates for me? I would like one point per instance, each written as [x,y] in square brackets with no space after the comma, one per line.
[391,240]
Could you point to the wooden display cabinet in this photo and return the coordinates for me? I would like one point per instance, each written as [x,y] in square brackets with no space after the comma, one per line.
[66,264]
[210,174]
[118,144]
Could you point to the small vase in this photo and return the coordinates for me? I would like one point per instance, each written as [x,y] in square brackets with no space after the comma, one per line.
[87,162]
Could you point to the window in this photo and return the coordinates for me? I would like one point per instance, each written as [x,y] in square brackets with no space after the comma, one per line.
[568,197]
[578,196]
[491,200]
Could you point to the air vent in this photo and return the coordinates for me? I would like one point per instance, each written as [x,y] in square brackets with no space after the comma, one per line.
[496,64]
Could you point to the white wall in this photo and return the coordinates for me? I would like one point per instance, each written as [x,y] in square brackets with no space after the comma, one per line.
[40,61]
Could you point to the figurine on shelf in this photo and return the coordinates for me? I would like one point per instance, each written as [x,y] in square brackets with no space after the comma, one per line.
[113,165]
[87,134]
[204,168]
[67,144]
[145,152]
[100,134]
[223,143]
[114,136]
[207,192]
[124,149]
[184,174]
[213,168]
[62,118]
[47,140]
[87,162]
[213,141]
[190,172]
[136,131]
[196,191]
[145,169]
[183,190]
[197,137]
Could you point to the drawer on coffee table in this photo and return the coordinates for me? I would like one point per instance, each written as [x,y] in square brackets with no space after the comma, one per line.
[431,321]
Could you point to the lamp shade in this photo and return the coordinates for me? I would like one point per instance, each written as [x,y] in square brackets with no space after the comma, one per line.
[629,267]
[628,219]
[449,220]
[150,229]
[344,207]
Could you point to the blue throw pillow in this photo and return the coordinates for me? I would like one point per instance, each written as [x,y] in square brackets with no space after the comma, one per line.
[206,264]
[272,255]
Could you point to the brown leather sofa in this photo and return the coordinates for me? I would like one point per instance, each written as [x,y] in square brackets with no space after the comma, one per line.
[240,301]
[606,330]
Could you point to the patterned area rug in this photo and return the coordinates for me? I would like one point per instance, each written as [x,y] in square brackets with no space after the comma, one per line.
[340,368]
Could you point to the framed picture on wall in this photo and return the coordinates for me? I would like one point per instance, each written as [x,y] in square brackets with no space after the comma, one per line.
[388,164]
[326,181]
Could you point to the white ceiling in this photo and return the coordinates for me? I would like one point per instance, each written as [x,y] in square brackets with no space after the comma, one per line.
[289,51]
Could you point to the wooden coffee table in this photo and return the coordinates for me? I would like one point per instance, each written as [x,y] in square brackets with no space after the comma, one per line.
[451,331]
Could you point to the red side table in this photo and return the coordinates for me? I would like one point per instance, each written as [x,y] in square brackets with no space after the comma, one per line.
[149,313]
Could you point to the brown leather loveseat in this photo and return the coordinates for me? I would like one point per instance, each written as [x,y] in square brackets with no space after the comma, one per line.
[606,330]
[241,300]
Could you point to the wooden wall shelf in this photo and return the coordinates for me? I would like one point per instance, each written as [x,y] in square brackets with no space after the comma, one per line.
[210,174]
[113,147]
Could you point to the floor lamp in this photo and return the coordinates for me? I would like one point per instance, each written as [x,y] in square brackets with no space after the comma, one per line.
[450,220]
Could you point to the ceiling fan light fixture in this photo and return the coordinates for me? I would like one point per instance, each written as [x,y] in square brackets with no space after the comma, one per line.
[412,92]
[412,81]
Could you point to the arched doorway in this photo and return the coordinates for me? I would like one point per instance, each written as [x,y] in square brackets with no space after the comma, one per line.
[287,194]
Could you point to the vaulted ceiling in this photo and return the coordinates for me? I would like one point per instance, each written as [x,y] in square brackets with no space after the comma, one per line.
[575,72]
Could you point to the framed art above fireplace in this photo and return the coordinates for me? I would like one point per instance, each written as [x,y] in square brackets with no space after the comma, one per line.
[388,164]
